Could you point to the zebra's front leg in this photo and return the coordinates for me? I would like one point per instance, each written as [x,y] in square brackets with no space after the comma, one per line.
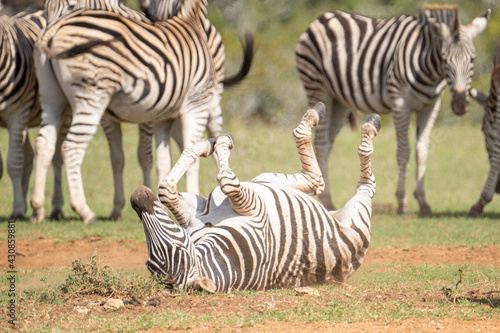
[491,185]
[425,123]
[184,206]
[401,119]
[243,199]
[145,153]
[310,179]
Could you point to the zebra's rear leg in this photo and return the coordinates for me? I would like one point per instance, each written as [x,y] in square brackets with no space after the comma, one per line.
[243,199]
[184,206]
[360,204]
[310,179]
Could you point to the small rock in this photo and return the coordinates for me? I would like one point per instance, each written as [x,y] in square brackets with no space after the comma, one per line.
[81,309]
[113,303]
[307,291]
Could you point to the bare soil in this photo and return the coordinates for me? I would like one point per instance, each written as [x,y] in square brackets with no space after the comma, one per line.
[48,254]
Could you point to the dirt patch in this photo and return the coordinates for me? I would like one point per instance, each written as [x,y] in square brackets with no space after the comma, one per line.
[46,253]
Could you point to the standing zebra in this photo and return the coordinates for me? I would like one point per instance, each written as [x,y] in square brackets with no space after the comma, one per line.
[140,72]
[491,131]
[19,107]
[262,234]
[399,65]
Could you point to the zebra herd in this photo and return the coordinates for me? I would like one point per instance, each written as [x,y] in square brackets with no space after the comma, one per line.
[79,64]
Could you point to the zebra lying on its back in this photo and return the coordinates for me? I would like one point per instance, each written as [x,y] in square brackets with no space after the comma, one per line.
[261,234]
[399,65]
[491,131]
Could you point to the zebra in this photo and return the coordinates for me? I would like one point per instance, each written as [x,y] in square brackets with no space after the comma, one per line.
[111,125]
[262,234]
[491,131]
[138,71]
[19,107]
[399,65]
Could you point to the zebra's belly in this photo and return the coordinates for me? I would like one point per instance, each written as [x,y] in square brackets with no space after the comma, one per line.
[129,110]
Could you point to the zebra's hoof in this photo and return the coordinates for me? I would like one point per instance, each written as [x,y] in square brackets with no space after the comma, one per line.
[320,109]
[374,119]
[225,139]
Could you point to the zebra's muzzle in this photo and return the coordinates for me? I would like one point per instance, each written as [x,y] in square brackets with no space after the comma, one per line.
[460,103]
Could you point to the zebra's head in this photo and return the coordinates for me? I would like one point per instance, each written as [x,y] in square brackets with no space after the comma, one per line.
[161,10]
[58,8]
[171,253]
[457,55]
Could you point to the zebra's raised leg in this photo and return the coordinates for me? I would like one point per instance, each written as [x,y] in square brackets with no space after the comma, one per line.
[425,123]
[185,206]
[309,180]
[243,199]
[354,218]
[326,132]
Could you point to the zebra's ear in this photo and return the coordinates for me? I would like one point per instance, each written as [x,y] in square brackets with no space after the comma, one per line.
[438,29]
[479,97]
[206,284]
[478,24]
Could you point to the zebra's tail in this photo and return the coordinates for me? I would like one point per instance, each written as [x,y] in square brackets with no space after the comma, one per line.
[248,52]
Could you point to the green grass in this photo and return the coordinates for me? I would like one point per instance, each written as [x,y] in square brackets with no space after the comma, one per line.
[384,293]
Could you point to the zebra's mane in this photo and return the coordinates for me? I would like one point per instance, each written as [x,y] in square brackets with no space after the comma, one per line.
[447,14]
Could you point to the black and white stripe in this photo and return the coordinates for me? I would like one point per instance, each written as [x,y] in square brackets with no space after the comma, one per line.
[399,65]
[491,131]
[266,233]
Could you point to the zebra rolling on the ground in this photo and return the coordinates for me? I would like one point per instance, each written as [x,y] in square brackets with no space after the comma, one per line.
[491,131]
[19,107]
[400,65]
[266,233]
[140,72]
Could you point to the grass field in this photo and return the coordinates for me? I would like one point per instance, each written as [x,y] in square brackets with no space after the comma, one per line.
[387,292]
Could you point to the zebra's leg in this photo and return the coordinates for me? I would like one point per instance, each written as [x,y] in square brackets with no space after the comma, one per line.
[57,164]
[243,199]
[401,123]
[53,103]
[145,153]
[28,164]
[194,124]
[214,125]
[309,180]
[326,132]
[354,218]
[185,206]
[163,157]
[17,161]
[492,184]
[87,114]
[425,123]
[113,132]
